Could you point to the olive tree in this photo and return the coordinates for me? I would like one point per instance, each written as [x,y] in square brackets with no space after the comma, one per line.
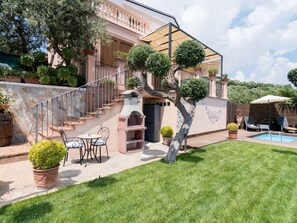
[188,54]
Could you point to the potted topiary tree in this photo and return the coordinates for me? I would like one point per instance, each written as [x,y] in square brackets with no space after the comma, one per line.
[46,156]
[232,130]
[167,133]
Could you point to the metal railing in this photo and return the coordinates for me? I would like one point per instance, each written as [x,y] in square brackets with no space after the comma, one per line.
[75,106]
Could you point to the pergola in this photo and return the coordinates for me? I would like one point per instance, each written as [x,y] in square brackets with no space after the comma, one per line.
[166,38]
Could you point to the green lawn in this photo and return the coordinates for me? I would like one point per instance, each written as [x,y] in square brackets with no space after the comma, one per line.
[226,182]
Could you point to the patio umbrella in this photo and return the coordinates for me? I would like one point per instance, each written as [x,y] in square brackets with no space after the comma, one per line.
[269,99]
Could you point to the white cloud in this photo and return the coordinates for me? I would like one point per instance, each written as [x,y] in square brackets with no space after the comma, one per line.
[239,76]
[265,33]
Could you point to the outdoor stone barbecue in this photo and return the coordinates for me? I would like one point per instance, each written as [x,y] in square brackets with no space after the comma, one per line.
[131,124]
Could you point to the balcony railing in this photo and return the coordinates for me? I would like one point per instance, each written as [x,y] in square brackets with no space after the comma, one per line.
[115,14]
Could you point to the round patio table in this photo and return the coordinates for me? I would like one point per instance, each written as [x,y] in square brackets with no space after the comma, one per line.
[87,139]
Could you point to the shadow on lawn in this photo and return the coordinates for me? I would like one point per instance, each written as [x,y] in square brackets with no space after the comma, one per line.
[190,157]
[284,152]
[102,182]
[29,213]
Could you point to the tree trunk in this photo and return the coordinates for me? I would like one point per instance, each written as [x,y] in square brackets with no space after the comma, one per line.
[183,132]
[187,115]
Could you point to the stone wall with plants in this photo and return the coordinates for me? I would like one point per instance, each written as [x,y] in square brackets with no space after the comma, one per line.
[35,69]
[22,98]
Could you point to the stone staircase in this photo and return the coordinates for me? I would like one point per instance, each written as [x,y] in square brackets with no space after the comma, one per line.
[75,109]
[79,122]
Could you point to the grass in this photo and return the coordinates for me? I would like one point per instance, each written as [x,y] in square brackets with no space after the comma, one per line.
[226,182]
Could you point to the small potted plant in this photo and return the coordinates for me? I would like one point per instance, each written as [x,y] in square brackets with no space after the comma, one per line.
[133,82]
[120,56]
[6,122]
[45,157]
[167,133]
[232,130]
[90,50]
[213,72]
[4,102]
[107,83]
[224,77]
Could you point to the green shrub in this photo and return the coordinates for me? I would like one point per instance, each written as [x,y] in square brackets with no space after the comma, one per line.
[72,69]
[72,81]
[45,79]
[166,131]
[196,89]
[133,82]
[27,60]
[39,57]
[42,70]
[232,127]
[46,154]
[63,73]
[4,100]
[189,53]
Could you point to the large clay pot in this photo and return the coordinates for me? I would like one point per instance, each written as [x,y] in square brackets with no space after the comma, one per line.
[167,141]
[46,178]
[232,135]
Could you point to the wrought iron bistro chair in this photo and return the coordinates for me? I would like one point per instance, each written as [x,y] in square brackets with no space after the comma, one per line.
[102,141]
[71,143]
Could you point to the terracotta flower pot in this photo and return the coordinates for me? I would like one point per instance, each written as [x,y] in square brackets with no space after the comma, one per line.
[167,141]
[11,79]
[4,107]
[232,135]
[32,80]
[89,51]
[46,178]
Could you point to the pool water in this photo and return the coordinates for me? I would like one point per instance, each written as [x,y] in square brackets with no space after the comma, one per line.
[276,138]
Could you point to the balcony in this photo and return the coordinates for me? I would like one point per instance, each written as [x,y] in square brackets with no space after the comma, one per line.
[115,14]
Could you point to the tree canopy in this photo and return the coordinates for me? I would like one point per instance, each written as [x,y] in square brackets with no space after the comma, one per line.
[27,26]
[18,35]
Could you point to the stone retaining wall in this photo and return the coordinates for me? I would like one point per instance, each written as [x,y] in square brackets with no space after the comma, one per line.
[23,97]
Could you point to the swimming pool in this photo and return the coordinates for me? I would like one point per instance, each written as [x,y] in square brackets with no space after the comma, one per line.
[276,138]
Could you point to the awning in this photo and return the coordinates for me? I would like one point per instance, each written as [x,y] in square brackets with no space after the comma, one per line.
[166,38]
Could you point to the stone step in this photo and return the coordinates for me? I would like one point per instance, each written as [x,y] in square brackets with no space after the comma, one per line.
[14,153]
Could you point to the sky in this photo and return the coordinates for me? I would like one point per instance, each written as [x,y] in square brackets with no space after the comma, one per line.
[257,38]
